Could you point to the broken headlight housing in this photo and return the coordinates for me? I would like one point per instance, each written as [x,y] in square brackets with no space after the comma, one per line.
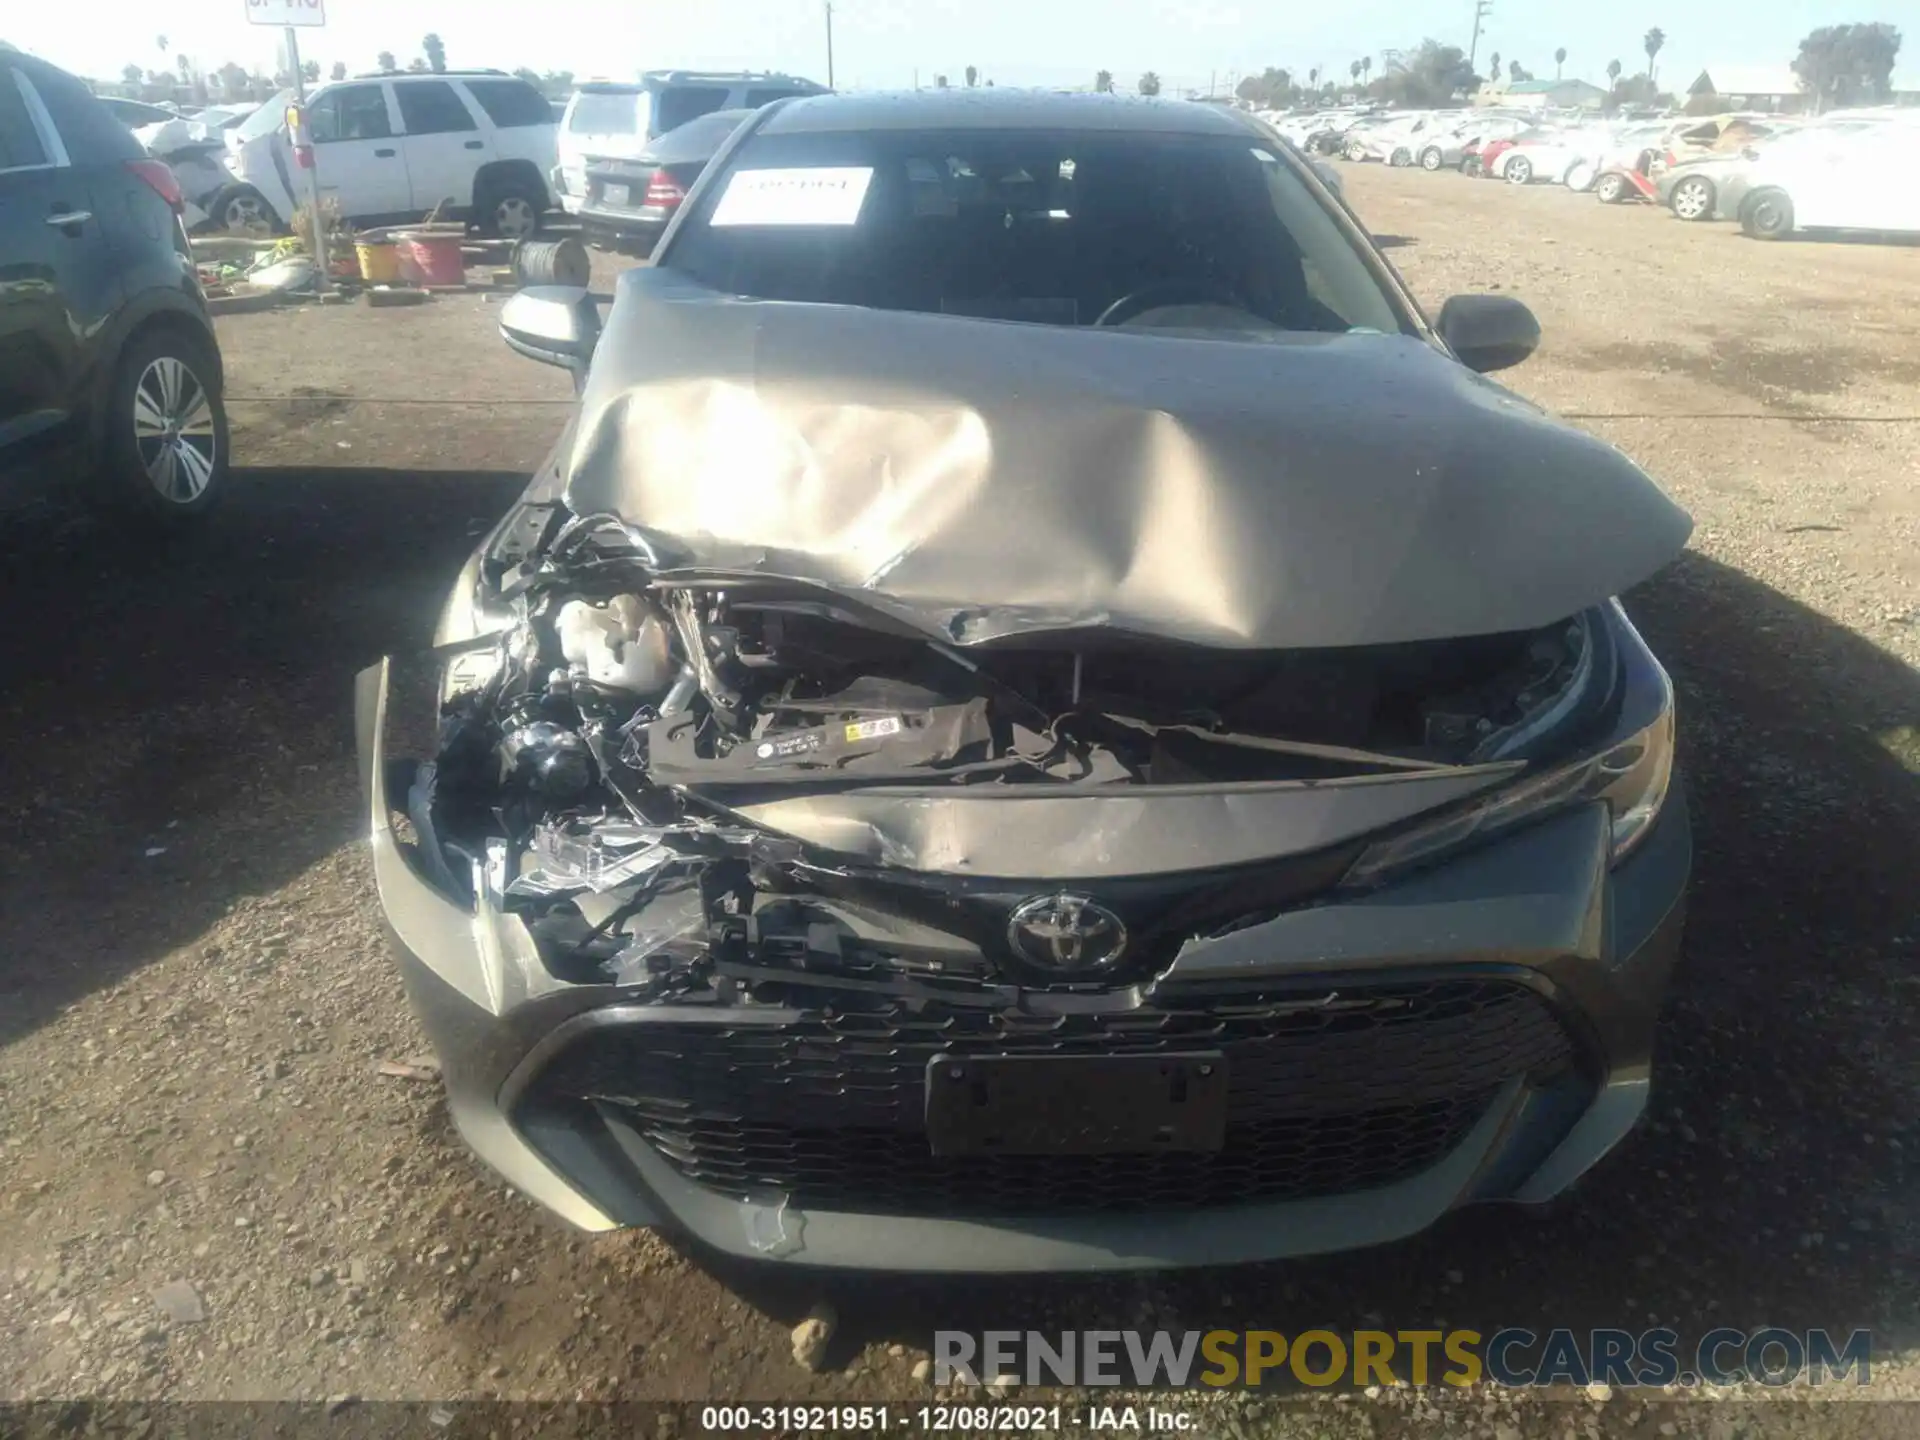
[1632,775]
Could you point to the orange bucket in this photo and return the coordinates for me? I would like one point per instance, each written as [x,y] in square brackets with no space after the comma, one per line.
[431,259]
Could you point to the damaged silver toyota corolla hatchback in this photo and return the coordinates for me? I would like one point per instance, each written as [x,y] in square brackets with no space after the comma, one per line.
[1039,717]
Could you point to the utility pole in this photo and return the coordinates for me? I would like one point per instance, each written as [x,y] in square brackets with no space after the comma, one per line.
[321,279]
[1481,9]
[829,4]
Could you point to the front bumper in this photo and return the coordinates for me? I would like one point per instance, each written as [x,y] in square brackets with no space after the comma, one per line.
[1538,914]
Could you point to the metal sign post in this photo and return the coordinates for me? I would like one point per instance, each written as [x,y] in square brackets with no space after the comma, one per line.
[295,15]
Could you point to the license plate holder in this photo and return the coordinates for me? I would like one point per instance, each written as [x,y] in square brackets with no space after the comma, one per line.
[1076,1104]
[614,194]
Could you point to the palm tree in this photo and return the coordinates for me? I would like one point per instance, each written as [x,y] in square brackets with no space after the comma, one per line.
[1613,74]
[436,52]
[1313,77]
[973,76]
[1366,66]
[1656,38]
[1493,64]
[386,62]
[1354,70]
[1150,83]
[1559,61]
[1103,82]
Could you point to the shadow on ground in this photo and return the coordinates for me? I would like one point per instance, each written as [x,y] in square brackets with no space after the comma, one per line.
[1772,1181]
[177,714]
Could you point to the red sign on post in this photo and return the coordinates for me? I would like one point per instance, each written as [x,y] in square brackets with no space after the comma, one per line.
[287,12]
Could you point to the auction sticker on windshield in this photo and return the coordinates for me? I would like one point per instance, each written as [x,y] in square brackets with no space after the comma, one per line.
[823,195]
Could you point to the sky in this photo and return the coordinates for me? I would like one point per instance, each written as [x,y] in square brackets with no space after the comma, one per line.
[880,44]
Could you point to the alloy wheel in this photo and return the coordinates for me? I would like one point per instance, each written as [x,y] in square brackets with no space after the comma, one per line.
[1519,171]
[514,218]
[1431,160]
[173,430]
[1690,199]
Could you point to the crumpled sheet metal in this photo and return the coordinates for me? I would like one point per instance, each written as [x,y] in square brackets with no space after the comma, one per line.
[991,479]
[1033,833]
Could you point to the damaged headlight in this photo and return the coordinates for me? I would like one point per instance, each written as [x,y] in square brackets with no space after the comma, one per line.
[1632,775]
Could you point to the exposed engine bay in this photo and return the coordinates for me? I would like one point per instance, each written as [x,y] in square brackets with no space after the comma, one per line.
[595,755]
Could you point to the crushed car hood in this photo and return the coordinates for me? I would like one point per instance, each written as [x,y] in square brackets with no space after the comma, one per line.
[984,479]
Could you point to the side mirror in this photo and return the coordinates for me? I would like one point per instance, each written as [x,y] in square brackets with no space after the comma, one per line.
[1488,332]
[554,324]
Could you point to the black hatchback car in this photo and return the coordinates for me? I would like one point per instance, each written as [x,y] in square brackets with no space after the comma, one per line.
[108,363]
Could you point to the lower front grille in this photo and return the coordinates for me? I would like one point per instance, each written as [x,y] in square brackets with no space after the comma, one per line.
[1329,1093]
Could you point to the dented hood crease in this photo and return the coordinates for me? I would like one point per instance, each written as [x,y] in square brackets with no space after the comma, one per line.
[994,479]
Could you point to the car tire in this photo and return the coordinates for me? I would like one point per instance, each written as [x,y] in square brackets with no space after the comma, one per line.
[1610,188]
[1692,199]
[1356,152]
[1767,215]
[242,210]
[164,442]
[1582,176]
[1431,159]
[1401,159]
[511,209]
[1518,171]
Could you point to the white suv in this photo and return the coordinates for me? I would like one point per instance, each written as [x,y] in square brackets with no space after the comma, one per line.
[614,119]
[476,143]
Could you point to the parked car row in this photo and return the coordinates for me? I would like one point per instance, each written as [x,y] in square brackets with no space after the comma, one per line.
[1771,174]
[1849,170]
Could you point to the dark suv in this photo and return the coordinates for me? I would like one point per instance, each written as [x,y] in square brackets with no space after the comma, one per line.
[108,363]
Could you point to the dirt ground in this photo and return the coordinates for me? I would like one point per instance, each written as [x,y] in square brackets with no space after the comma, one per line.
[195,994]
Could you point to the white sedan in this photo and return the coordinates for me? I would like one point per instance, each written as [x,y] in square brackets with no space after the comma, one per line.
[1544,155]
[1836,180]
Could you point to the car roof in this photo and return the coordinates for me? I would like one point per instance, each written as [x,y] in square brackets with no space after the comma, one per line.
[659,79]
[430,75]
[998,109]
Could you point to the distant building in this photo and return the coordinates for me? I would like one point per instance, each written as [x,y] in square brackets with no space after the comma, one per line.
[1772,88]
[1541,95]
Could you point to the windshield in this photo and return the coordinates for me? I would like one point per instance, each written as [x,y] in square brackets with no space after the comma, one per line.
[268,118]
[1211,233]
[607,112]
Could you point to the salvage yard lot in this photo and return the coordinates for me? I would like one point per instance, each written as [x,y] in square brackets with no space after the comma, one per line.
[195,996]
